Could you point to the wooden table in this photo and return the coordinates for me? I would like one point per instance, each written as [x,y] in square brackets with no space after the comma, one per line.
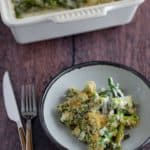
[39,62]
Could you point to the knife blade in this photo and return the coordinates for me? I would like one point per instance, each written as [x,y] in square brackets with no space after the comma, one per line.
[11,107]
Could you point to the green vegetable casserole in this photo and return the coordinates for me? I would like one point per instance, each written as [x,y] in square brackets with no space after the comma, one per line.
[99,118]
[25,6]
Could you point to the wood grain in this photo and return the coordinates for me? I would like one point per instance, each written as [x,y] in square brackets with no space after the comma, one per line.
[39,62]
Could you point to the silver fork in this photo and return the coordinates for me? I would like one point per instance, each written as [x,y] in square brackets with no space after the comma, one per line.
[28,111]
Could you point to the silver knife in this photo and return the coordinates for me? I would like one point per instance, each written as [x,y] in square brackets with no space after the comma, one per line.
[11,107]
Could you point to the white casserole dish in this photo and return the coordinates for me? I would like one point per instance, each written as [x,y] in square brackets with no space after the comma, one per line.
[68,22]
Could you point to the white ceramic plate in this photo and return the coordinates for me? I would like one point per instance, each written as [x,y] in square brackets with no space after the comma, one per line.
[131,81]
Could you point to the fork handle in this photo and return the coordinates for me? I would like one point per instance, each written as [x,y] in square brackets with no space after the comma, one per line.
[29,145]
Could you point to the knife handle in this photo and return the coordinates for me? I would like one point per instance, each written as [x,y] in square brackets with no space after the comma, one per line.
[22,137]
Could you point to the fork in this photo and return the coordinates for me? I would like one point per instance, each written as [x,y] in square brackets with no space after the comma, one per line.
[28,111]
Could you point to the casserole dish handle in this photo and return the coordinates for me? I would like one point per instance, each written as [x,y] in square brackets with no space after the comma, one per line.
[78,15]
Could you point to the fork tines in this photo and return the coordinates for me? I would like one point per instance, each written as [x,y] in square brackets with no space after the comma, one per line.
[28,103]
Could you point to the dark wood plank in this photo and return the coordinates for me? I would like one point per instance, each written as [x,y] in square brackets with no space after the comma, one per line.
[128,44]
[37,63]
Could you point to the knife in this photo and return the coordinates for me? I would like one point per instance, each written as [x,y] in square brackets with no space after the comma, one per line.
[11,107]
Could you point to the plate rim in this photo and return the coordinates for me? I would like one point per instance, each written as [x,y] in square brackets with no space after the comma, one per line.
[69,69]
